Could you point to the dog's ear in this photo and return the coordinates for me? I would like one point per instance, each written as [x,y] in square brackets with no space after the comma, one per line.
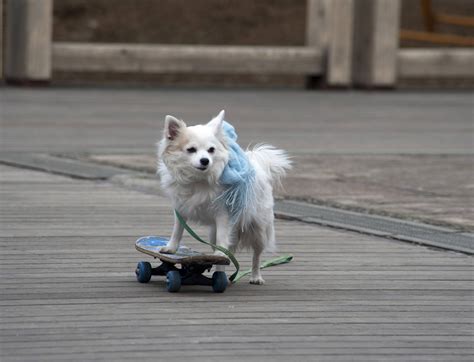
[216,122]
[173,127]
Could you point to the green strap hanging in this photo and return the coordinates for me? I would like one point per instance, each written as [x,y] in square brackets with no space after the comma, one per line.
[220,248]
[236,276]
[268,263]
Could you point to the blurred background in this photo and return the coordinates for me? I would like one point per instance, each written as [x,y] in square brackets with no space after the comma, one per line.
[346,33]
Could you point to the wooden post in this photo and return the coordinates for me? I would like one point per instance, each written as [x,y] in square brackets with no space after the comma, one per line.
[317,33]
[340,46]
[28,40]
[376,33]
[1,39]
[316,23]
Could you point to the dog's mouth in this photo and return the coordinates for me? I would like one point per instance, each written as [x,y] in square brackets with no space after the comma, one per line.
[202,168]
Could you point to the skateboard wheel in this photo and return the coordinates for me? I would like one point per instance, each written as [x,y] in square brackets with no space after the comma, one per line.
[143,272]
[219,281]
[173,281]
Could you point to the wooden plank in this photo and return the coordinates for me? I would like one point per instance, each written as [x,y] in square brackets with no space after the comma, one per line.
[88,57]
[28,40]
[454,19]
[436,63]
[69,293]
[301,340]
[437,38]
[166,345]
[255,306]
[217,353]
[376,32]
[340,47]
[250,329]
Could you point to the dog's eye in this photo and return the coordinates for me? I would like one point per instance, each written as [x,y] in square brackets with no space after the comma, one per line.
[191,149]
[211,150]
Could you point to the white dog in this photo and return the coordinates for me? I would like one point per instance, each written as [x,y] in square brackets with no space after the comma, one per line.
[194,163]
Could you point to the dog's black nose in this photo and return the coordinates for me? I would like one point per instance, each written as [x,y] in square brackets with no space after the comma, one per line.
[204,161]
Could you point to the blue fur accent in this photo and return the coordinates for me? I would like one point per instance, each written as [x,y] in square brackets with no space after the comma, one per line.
[238,177]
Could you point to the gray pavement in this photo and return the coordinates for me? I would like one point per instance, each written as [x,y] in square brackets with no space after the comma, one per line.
[434,189]
[129,121]
[407,155]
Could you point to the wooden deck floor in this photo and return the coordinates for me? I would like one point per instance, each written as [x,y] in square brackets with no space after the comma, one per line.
[68,291]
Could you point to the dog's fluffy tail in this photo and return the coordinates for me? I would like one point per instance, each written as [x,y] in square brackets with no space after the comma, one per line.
[274,162]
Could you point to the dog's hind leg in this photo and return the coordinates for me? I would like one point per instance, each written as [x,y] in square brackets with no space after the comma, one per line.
[257,239]
[256,277]
[270,237]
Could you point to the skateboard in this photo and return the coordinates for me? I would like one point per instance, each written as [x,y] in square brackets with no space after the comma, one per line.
[192,266]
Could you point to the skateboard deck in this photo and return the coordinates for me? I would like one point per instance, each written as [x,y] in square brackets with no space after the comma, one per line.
[151,245]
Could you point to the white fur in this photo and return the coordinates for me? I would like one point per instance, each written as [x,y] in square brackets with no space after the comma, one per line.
[193,190]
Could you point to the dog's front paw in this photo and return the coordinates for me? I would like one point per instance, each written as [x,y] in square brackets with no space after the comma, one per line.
[257,280]
[168,250]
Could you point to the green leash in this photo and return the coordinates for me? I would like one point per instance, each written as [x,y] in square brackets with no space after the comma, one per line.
[272,262]
[234,278]
[220,248]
